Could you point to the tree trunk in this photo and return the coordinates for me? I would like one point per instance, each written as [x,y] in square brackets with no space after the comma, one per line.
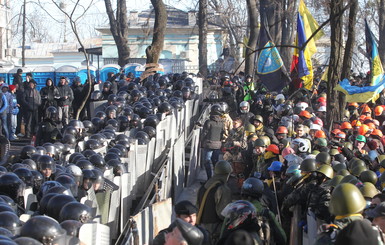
[349,47]
[253,38]
[381,43]
[202,46]
[335,109]
[155,49]
[119,29]
[288,31]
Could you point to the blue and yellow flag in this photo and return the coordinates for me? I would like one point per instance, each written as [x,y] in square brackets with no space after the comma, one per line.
[302,66]
[376,70]
[361,94]
[270,67]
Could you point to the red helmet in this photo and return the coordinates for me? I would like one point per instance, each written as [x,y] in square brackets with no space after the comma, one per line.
[273,148]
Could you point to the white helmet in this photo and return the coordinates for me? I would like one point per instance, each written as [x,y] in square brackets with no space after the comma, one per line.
[302,105]
[244,104]
[303,145]
[280,97]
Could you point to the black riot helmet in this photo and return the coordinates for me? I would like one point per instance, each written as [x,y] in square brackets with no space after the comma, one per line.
[51,113]
[75,211]
[31,163]
[92,144]
[165,107]
[25,175]
[72,227]
[44,229]
[12,186]
[151,131]
[152,121]
[124,123]
[44,162]
[88,126]
[37,180]
[98,161]
[45,187]
[27,152]
[112,98]
[96,95]
[56,203]
[68,182]
[69,139]
[84,164]
[10,221]
[142,135]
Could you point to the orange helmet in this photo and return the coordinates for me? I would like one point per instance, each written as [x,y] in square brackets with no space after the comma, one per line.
[378,110]
[336,131]
[273,148]
[353,104]
[362,118]
[363,129]
[371,125]
[340,135]
[377,132]
[281,130]
[366,109]
[305,114]
[346,125]
[320,134]
[356,123]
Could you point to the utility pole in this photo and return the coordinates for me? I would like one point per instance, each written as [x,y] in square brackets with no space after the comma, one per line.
[23,41]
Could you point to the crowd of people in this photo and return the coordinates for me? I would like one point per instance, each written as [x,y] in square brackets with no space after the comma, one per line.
[275,174]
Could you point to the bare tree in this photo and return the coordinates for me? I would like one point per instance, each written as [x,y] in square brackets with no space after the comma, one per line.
[155,49]
[73,23]
[119,29]
[335,109]
[252,10]
[381,43]
[202,46]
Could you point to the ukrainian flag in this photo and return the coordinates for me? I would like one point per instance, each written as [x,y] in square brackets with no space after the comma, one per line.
[361,94]
[376,70]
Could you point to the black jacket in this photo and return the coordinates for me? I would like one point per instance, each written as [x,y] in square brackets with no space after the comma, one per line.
[212,132]
[31,99]
[49,96]
[65,90]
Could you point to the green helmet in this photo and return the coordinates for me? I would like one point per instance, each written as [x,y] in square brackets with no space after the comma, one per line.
[335,181]
[258,118]
[382,163]
[323,158]
[343,172]
[315,152]
[259,142]
[381,158]
[347,114]
[368,176]
[222,167]
[266,139]
[357,163]
[361,138]
[338,167]
[321,142]
[326,170]
[250,128]
[356,171]
[346,199]
[349,179]
[348,145]
[333,152]
[368,190]
[308,165]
